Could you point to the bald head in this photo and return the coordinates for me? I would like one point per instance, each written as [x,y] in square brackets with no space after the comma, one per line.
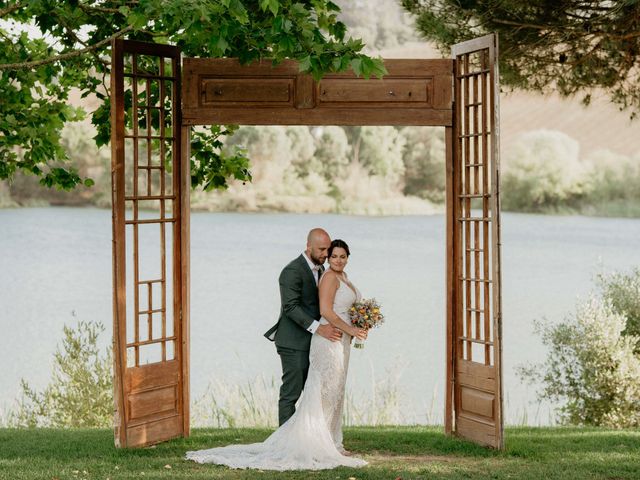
[318,242]
[317,234]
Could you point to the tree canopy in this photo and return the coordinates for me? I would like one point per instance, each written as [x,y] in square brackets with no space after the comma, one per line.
[50,47]
[572,46]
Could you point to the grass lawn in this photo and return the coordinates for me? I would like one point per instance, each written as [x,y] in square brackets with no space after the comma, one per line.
[392,453]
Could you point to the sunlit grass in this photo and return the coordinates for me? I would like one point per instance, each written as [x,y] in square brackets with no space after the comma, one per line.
[392,452]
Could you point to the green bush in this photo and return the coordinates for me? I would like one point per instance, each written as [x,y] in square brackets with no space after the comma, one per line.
[80,393]
[593,366]
[424,160]
[623,292]
[614,185]
[542,171]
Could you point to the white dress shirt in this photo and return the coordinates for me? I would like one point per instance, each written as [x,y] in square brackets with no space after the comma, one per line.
[314,269]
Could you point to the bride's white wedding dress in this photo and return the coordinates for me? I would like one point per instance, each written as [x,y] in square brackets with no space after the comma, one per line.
[312,438]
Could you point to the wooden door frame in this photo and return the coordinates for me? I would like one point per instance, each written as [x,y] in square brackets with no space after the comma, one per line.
[476,385]
[124,435]
[303,106]
[417,92]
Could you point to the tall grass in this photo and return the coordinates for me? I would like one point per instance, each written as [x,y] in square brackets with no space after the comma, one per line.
[254,403]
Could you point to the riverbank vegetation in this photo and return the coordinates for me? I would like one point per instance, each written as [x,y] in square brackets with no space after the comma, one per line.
[371,170]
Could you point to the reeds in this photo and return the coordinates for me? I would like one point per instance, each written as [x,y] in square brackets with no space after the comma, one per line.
[254,403]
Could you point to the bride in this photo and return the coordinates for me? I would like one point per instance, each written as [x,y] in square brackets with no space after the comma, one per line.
[312,438]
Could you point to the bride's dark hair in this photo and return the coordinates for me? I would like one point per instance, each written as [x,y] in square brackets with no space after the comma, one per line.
[340,244]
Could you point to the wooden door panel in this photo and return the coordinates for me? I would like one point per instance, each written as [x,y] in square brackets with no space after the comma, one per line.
[248,92]
[150,366]
[474,298]
[160,400]
[395,91]
[221,91]
[154,431]
[476,431]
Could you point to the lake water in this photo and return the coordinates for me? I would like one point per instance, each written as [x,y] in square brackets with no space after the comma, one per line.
[56,269]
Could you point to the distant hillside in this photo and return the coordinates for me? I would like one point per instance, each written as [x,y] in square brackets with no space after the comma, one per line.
[599,126]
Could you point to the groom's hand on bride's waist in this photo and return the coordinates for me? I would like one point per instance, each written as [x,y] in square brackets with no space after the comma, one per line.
[329,332]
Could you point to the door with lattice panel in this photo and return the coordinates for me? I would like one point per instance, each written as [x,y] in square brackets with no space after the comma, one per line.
[475,353]
[149,245]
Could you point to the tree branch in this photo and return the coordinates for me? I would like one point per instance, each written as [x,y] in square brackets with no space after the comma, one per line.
[12,8]
[65,56]
[519,24]
[93,9]
[77,39]
[601,33]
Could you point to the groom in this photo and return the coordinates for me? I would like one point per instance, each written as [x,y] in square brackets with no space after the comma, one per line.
[299,315]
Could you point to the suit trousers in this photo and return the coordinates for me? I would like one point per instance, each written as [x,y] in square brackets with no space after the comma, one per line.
[295,366]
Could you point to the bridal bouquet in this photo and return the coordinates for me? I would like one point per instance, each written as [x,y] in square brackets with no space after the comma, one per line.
[365,314]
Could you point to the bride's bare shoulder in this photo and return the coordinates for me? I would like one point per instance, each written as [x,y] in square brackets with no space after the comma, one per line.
[329,278]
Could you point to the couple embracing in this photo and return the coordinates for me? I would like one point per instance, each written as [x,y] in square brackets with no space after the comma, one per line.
[313,338]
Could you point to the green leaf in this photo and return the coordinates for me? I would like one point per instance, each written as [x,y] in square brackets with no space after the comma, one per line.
[137,20]
[272,5]
[222,44]
[356,66]
[305,64]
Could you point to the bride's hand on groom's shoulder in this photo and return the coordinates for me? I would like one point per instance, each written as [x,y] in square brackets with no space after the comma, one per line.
[329,332]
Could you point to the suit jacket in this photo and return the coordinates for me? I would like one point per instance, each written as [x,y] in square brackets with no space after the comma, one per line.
[299,306]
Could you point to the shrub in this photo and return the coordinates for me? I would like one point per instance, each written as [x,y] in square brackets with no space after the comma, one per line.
[332,152]
[615,184]
[380,152]
[80,393]
[591,367]
[623,291]
[424,161]
[542,171]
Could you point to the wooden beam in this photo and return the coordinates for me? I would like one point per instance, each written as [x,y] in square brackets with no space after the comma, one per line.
[494,81]
[118,239]
[334,116]
[185,269]
[221,91]
[450,279]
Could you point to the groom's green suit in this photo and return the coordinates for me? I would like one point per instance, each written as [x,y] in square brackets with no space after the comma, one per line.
[299,308]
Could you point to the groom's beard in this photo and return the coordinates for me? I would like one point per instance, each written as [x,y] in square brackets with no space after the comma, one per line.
[316,260]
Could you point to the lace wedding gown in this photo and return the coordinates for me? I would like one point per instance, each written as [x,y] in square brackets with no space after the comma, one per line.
[312,438]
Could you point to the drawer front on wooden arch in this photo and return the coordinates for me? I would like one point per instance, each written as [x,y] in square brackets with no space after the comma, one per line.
[373,93]
[247,92]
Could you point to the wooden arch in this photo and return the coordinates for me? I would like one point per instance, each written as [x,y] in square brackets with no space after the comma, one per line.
[150,172]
